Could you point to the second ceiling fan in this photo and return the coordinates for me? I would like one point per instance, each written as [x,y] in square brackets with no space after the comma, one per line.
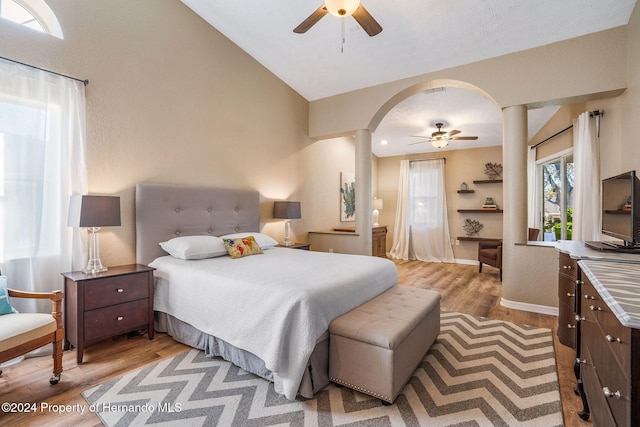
[440,138]
[342,8]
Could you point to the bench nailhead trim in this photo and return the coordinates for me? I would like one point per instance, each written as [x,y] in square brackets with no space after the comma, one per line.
[364,390]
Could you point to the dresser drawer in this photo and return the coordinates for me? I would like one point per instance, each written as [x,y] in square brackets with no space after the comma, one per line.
[109,291]
[116,319]
[611,332]
[611,378]
[568,266]
[566,325]
[600,413]
[567,291]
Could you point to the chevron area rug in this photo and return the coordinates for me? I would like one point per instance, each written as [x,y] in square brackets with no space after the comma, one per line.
[479,372]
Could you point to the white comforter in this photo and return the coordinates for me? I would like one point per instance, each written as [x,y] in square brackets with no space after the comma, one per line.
[274,305]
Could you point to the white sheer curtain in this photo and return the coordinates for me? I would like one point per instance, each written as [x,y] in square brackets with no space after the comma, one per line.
[586,192]
[421,230]
[532,191]
[42,144]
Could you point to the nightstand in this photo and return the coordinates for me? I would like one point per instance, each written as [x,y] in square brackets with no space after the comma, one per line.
[99,306]
[303,246]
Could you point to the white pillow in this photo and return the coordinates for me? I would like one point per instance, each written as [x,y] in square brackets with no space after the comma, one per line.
[194,247]
[264,241]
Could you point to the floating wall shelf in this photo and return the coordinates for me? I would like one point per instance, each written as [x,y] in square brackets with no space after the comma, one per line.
[487,181]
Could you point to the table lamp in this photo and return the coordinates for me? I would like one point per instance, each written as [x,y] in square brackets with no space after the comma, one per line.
[94,212]
[287,211]
[376,204]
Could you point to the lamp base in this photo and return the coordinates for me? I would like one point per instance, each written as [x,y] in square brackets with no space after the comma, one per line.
[287,241]
[376,214]
[94,265]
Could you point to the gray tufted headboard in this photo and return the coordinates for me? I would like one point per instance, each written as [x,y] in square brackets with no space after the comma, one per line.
[165,211]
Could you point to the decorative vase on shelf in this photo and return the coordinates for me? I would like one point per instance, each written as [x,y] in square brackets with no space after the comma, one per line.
[463,186]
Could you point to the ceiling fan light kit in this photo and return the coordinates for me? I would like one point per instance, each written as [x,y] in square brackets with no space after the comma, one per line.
[440,142]
[440,138]
[342,8]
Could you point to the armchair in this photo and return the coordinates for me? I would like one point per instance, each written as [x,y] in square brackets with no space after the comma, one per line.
[490,253]
[21,333]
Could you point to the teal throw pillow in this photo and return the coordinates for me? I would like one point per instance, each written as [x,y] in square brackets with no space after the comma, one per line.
[5,306]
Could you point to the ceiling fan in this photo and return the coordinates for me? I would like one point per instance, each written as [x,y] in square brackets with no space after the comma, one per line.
[441,139]
[342,8]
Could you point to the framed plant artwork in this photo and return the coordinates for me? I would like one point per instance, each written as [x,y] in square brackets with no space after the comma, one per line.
[347,197]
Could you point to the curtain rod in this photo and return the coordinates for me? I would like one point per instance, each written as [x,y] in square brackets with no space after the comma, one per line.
[593,113]
[444,159]
[85,81]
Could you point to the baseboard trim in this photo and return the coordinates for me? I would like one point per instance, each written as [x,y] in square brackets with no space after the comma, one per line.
[534,308]
[466,261]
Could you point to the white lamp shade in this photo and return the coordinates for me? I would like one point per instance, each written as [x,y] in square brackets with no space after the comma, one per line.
[342,7]
[376,204]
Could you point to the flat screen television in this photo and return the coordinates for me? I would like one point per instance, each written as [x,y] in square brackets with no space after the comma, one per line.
[621,210]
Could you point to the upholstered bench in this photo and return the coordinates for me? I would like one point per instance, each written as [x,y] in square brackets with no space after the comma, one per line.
[376,347]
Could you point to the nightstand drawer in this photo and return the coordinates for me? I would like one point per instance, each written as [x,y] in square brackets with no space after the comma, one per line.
[109,321]
[105,292]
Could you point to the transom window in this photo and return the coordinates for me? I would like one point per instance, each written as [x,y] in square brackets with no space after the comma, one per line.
[34,14]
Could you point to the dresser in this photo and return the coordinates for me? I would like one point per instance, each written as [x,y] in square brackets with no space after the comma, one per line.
[610,341]
[99,306]
[379,241]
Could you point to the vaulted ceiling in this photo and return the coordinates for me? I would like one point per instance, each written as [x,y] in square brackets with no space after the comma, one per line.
[419,36]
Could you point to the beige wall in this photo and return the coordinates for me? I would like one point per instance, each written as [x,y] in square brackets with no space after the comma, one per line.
[169,100]
[569,71]
[461,166]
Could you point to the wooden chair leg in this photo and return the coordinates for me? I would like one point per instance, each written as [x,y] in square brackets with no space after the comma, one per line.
[57,362]
[480,268]
[501,275]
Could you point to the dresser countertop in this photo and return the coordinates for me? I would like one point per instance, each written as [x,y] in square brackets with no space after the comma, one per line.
[578,250]
[619,286]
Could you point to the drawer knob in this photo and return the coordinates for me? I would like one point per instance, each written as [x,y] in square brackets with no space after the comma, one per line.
[594,308]
[570,326]
[579,319]
[120,318]
[613,339]
[581,361]
[578,282]
[569,294]
[566,267]
[589,297]
[120,290]
[607,392]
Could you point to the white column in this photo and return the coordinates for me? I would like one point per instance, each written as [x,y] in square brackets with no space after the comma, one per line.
[363,190]
[514,187]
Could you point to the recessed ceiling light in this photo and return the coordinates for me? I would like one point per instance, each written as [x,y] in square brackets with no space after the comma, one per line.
[384,142]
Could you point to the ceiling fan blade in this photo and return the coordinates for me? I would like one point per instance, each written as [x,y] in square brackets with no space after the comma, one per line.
[421,136]
[311,20]
[366,21]
[465,138]
[419,142]
[453,132]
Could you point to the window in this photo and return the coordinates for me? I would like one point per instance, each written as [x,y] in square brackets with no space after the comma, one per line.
[34,14]
[557,197]
[424,189]
[22,151]
[42,143]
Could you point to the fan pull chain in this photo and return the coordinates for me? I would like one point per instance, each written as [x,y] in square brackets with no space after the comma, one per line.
[342,37]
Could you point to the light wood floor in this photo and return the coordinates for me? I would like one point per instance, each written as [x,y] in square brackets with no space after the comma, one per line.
[463,289]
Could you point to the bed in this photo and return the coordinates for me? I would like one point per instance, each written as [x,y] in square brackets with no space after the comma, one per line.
[268,313]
